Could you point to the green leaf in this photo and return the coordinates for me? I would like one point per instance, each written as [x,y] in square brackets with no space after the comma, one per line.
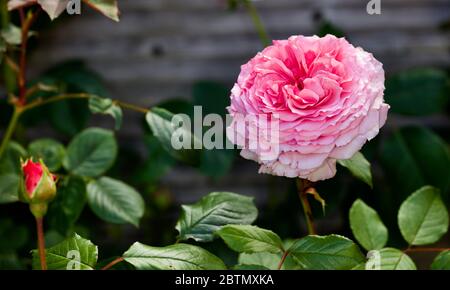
[417,92]
[12,34]
[442,261]
[53,8]
[268,260]
[213,97]
[115,201]
[389,259]
[367,226]
[91,153]
[13,236]
[69,116]
[73,253]
[174,257]
[65,210]
[200,220]
[10,172]
[359,167]
[250,239]
[10,161]
[107,107]
[326,253]
[420,153]
[160,122]
[159,162]
[50,151]
[250,267]
[216,162]
[109,8]
[261,259]
[423,217]
[9,188]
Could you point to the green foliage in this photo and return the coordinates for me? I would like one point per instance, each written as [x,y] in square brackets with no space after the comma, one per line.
[442,261]
[91,153]
[67,77]
[107,107]
[115,201]
[418,92]
[327,252]
[390,259]
[64,256]
[10,172]
[200,220]
[50,151]
[367,226]
[423,217]
[174,257]
[250,239]
[160,122]
[359,167]
[422,155]
[65,210]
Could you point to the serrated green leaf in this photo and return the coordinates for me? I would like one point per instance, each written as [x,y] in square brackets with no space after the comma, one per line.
[200,220]
[107,107]
[367,226]
[388,259]
[91,153]
[73,253]
[442,261]
[65,210]
[115,201]
[423,217]
[250,239]
[160,122]
[50,151]
[332,252]
[359,167]
[109,8]
[174,257]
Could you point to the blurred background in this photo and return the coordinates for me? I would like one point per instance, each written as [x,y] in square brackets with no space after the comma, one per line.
[175,54]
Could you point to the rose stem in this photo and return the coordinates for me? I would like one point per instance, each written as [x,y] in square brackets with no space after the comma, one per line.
[116,261]
[41,242]
[302,187]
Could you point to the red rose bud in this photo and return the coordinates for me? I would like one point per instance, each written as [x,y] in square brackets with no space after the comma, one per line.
[38,186]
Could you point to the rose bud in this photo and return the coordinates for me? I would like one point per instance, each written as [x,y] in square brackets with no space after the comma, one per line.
[38,186]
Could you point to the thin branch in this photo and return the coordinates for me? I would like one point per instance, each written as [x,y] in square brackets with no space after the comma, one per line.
[114,262]
[41,242]
[283,258]
[26,25]
[303,186]
[263,35]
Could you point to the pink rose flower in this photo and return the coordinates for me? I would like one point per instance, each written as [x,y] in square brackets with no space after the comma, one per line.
[325,97]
